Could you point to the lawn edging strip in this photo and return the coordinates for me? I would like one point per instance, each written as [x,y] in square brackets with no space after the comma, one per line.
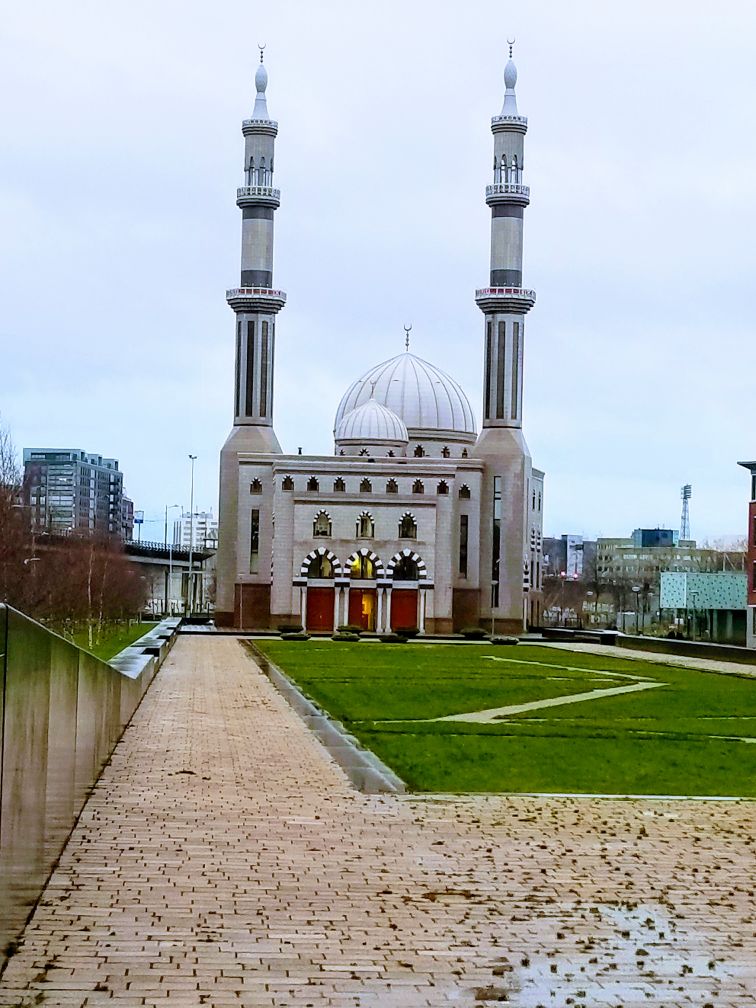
[363,768]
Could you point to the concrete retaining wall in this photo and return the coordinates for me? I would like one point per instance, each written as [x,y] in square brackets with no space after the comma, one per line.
[61,713]
[690,649]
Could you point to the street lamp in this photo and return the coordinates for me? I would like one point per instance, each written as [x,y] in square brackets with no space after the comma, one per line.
[190,591]
[693,597]
[636,592]
[169,582]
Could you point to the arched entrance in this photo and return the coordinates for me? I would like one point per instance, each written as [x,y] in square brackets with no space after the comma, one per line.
[363,567]
[320,567]
[407,571]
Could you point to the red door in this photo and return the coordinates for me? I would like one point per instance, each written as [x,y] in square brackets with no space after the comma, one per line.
[320,608]
[403,608]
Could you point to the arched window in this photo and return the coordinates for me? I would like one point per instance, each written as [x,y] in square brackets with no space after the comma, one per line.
[445,451]
[515,169]
[464,453]
[364,451]
[322,524]
[362,567]
[419,451]
[312,484]
[418,487]
[390,453]
[392,486]
[320,567]
[365,526]
[464,492]
[366,486]
[407,526]
[288,483]
[339,485]
[255,487]
[442,488]
[405,569]
[341,452]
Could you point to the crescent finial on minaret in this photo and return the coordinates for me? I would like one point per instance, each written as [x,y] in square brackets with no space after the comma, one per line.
[407,331]
[261,47]
[261,82]
[510,43]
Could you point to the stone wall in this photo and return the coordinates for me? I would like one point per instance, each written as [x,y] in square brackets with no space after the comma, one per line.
[61,713]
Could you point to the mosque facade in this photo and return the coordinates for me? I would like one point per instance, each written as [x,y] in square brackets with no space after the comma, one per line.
[417,520]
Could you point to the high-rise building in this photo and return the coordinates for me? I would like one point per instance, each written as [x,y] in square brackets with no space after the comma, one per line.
[202,533]
[70,490]
[416,520]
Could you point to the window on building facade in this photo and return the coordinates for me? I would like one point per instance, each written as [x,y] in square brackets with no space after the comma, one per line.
[322,524]
[288,483]
[407,526]
[445,451]
[339,485]
[464,492]
[320,567]
[312,484]
[463,534]
[405,569]
[365,526]
[254,541]
[418,487]
[392,486]
[366,486]
[255,487]
[464,453]
[419,451]
[362,568]
[442,488]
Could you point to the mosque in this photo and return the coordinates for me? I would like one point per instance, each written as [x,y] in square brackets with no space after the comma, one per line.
[417,520]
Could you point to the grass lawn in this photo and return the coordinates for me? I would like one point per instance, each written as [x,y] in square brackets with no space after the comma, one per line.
[113,639]
[682,736]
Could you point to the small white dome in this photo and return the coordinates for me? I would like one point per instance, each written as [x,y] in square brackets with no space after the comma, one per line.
[370,423]
[261,78]
[510,74]
[423,396]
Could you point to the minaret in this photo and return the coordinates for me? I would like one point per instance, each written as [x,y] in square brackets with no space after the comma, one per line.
[255,303]
[504,304]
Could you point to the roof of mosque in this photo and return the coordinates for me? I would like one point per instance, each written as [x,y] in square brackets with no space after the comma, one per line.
[423,396]
[371,422]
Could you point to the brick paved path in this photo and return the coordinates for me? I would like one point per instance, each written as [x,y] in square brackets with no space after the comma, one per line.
[224,860]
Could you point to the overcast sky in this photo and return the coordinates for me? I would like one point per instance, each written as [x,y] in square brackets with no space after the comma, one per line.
[119,233]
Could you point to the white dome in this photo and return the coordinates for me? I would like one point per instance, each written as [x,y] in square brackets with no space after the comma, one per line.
[369,423]
[422,395]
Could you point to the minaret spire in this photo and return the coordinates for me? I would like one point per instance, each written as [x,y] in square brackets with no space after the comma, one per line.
[510,80]
[260,110]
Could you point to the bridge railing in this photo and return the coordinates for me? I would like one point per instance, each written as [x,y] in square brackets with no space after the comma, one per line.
[61,713]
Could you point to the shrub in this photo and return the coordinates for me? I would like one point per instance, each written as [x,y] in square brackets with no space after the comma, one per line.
[290,628]
[301,635]
[345,636]
[505,640]
[393,638]
[408,631]
[350,628]
[473,633]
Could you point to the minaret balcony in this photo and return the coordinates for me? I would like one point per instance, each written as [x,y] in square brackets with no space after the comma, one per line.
[258,195]
[255,299]
[507,300]
[268,126]
[512,123]
[507,192]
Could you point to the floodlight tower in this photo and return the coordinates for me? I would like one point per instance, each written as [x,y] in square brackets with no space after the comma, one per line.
[686,493]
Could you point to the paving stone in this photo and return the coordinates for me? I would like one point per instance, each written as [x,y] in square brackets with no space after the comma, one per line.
[223,859]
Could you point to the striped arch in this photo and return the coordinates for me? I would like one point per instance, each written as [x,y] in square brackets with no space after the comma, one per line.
[422,572]
[320,551]
[365,552]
